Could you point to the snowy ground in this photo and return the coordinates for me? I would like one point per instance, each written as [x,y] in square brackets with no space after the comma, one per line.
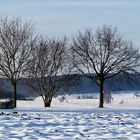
[69,125]
[73,119]
[71,102]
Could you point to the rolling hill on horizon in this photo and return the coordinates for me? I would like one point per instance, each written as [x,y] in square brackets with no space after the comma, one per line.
[82,85]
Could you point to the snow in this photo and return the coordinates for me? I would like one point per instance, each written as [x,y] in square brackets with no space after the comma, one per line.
[121,100]
[73,119]
[5,100]
[69,125]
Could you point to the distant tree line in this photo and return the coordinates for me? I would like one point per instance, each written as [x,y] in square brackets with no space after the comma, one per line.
[98,55]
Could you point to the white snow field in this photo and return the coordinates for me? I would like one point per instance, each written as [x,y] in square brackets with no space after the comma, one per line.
[73,119]
[121,100]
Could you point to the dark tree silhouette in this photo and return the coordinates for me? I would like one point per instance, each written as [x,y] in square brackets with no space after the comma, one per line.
[103,55]
[49,68]
[16,43]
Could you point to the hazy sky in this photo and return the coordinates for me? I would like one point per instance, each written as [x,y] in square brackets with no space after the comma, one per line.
[65,17]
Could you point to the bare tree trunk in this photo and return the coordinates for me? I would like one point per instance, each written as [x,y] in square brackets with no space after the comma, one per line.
[104,55]
[15,94]
[47,101]
[16,43]
[101,101]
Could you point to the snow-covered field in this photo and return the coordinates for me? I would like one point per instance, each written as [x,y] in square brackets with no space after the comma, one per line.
[127,100]
[73,119]
[83,125]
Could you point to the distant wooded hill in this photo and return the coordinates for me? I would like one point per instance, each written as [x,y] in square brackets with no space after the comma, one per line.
[79,85]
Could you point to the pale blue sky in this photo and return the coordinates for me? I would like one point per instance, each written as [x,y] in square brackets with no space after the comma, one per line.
[66,17]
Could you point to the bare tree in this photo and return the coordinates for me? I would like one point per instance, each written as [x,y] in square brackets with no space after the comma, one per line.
[48,68]
[16,43]
[103,55]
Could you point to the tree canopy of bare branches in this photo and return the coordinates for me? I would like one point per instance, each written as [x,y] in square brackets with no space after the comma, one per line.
[103,55]
[48,68]
[16,43]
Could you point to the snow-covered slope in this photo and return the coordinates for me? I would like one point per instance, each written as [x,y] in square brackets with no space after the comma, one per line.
[69,126]
[73,119]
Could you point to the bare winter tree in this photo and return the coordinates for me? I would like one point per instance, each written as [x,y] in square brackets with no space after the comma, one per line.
[103,55]
[49,63]
[16,43]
